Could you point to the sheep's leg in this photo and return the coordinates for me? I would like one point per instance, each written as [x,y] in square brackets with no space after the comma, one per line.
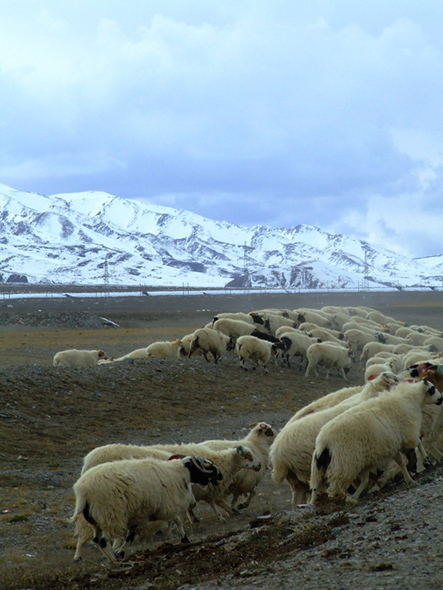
[223,504]
[246,503]
[435,452]
[81,542]
[364,480]
[401,462]
[422,457]
[181,529]
[300,491]
[343,374]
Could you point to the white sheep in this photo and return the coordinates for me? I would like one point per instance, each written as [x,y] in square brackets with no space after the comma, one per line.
[434,343]
[327,401]
[314,316]
[185,346]
[381,318]
[245,317]
[284,329]
[163,349]
[259,439]
[78,358]
[416,338]
[330,356]
[397,360]
[233,328]
[291,453]
[327,332]
[368,436]
[374,370]
[210,342]
[118,498]
[370,349]
[358,338]
[271,322]
[326,335]
[228,460]
[118,452]
[254,349]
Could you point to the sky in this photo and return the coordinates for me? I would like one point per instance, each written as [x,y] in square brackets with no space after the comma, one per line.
[257,112]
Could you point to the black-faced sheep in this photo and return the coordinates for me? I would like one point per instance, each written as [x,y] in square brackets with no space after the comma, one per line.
[259,439]
[119,497]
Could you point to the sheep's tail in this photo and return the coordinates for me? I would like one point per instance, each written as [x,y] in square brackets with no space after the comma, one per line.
[80,506]
[323,459]
[279,472]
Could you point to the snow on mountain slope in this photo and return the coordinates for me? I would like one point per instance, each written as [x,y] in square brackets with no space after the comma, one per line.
[71,237]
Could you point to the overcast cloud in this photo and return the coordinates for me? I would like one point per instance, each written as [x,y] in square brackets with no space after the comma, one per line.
[270,112]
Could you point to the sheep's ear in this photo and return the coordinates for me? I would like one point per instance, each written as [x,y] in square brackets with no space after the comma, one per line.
[255,423]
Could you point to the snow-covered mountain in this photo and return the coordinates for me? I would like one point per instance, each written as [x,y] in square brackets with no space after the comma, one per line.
[93,237]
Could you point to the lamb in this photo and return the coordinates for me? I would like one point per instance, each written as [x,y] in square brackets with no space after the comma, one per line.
[329,355]
[259,439]
[367,436]
[210,341]
[254,349]
[291,453]
[163,349]
[118,498]
[78,358]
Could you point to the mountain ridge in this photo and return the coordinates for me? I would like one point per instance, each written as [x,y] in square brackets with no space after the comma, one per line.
[81,237]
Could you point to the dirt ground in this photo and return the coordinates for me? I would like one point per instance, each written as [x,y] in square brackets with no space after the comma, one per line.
[50,418]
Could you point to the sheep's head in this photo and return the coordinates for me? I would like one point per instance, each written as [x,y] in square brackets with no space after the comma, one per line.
[251,461]
[261,429]
[202,471]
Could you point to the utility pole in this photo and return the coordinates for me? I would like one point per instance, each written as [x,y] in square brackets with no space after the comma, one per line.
[106,274]
[365,280]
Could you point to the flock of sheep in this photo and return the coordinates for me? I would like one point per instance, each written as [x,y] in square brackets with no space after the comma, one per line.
[345,444]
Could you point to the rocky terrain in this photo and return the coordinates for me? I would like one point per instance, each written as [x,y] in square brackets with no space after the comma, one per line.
[49,419]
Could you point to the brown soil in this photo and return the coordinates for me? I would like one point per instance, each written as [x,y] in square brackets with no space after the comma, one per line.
[49,419]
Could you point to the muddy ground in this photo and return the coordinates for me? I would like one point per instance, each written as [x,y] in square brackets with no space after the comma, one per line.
[49,419]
